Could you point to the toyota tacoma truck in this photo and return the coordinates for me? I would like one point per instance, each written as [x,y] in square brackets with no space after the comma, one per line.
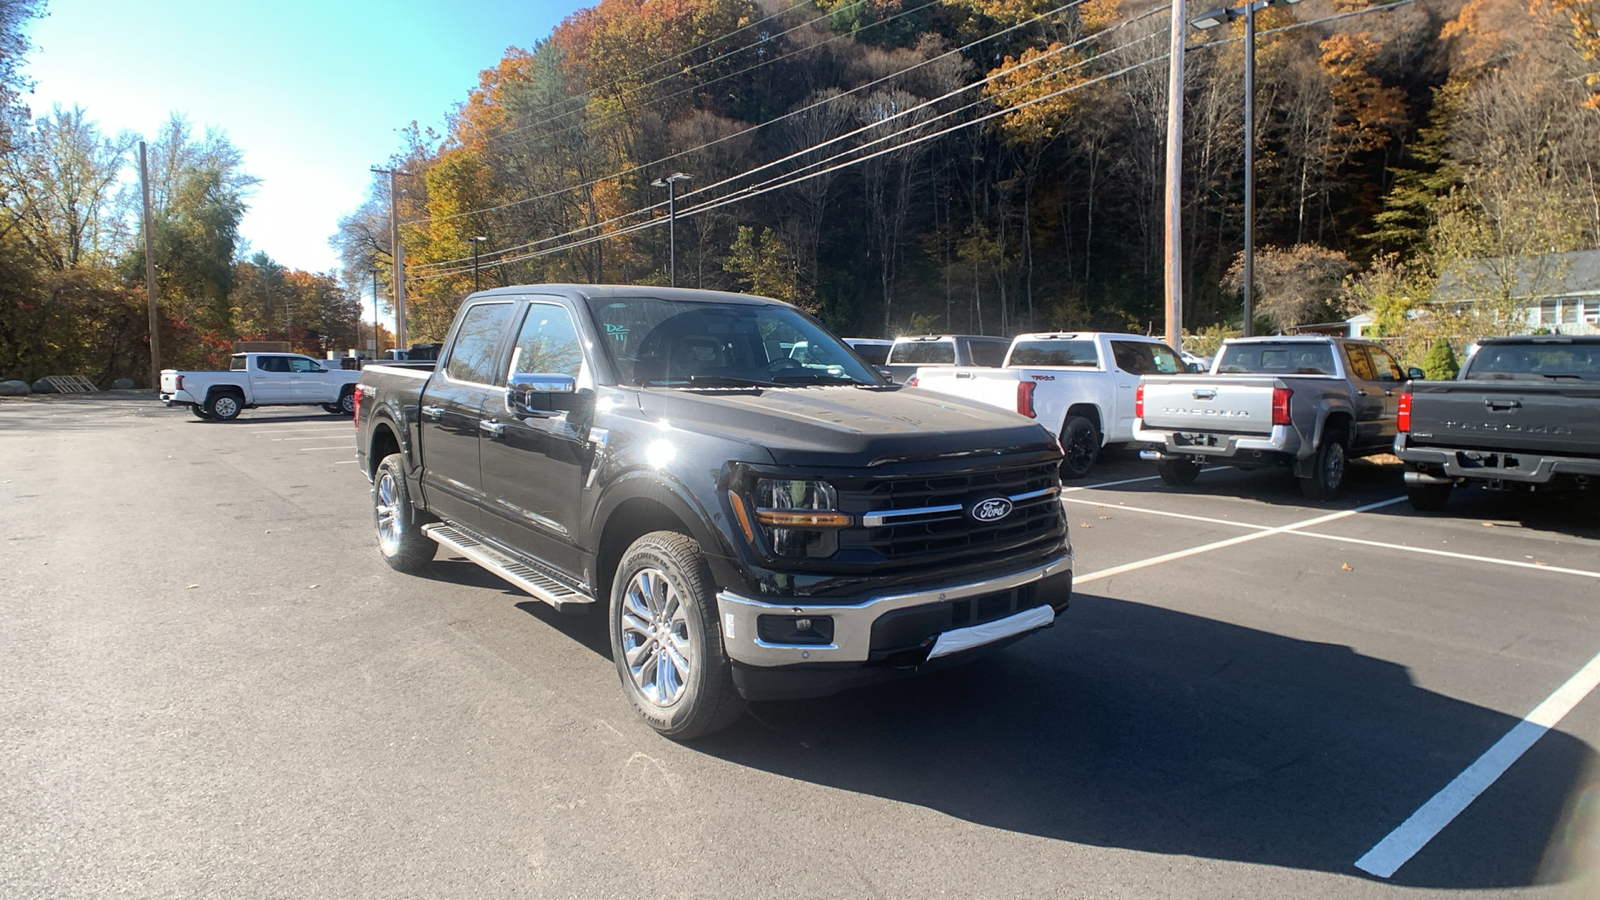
[1523,413]
[1308,403]
[260,379]
[1078,385]
[752,526]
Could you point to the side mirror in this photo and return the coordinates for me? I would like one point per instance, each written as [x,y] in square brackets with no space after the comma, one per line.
[541,396]
[884,371]
[1416,374]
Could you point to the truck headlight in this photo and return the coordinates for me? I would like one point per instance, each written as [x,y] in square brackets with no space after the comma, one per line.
[799,518]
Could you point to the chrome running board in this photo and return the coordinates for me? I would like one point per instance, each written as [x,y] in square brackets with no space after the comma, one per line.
[536,583]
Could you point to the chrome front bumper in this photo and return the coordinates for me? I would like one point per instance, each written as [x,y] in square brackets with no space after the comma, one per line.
[852,624]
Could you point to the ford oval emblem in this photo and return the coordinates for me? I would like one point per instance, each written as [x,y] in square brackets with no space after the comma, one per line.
[991,510]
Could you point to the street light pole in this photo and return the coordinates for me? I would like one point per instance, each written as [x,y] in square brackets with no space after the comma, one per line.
[1212,19]
[476,243]
[671,184]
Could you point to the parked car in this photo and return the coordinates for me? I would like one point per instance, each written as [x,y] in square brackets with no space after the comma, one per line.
[1079,385]
[752,526]
[1523,413]
[874,350]
[908,354]
[261,379]
[1308,403]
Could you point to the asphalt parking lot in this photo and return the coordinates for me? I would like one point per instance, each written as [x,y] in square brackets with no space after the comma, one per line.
[214,687]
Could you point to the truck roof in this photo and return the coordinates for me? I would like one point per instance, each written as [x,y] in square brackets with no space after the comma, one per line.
[609,291]
[1081,335]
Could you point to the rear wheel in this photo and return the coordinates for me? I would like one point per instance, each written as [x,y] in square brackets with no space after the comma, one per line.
[224,406]
[665,640]
[199,411]
[332,408]
[1178,472]
[1080,442]
[347,402]
[400,539]
[1429,497]
[1327,474]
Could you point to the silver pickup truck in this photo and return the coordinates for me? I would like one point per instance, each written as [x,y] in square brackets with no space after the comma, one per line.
[1304,402]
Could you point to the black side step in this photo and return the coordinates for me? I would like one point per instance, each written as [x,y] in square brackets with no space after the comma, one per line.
[536,583]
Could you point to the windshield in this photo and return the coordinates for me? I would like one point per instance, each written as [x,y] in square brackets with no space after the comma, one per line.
[1297,358]
[679,343]
[1536,362]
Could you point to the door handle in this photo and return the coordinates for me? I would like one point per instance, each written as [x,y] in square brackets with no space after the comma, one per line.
[1361,392]
[433,412]
[1502,405]
[491,427]
[1388,393]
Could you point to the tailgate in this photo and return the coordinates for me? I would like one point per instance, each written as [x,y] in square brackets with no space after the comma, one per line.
[1559,419]
[169,381]
[1228,404]
[992,387]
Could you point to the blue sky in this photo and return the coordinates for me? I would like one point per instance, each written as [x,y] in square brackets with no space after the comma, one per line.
[313,93]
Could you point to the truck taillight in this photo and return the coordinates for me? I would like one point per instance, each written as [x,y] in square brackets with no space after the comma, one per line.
[356,413]
[912,381]
[1138,403]
[1025,399]
[1404,421]
[177,382]
[1280,405]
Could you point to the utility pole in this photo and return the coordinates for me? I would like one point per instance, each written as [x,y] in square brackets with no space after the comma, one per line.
[399,260]
[150,273]
[671,184]
[377,335]
[1174,214]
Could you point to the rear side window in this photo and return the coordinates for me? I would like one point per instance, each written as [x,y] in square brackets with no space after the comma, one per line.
[1144,358]
[272,363]
[874,354]
[477,340]
[924,353]
[237,363]
[989,353]
[1276,359]
[1079,354]
[1360,363]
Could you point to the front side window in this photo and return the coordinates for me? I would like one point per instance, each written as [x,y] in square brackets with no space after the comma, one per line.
[301,364]
[1388,369]
[1144,358]
[548,343]
[477,341]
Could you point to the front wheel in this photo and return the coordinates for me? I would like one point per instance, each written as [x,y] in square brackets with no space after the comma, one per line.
[1177,472]
[1080,442]
[400,539]
[1428,497]
[1327,473]
[665,640]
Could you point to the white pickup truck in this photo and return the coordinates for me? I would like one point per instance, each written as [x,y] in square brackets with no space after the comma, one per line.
[261,379]
[1080,385]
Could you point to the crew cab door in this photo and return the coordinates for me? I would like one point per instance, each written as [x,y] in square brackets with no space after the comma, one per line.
[1368,397]
[269,380]
[451,410]
[534,466]
[308,383]
[1132,359]
[1392,378]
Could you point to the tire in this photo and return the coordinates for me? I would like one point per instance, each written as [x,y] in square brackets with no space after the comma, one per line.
[401,542]
[1429,497]
[333,408]
[224,406]
[662,597]
[347,402]
[1327,474]
[1080,442]
[199,411]
[1178,472]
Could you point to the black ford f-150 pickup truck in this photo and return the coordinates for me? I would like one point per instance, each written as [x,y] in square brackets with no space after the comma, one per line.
[1524,413]
[755,526]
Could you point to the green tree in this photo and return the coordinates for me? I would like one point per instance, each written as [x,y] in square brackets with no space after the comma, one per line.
[1440,363]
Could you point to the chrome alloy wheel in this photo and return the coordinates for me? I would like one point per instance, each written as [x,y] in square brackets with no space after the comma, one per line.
[387,513]
[226,407]
[655,637]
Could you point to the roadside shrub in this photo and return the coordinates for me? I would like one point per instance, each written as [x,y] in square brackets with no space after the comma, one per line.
[1440,364]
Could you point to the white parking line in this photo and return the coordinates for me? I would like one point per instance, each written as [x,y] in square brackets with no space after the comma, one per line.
[320,437]
[1466,556]
[1103,484]
[1231,542]
[295,430]
[346,462]
[1162,512]
[334,447]
[1389,854]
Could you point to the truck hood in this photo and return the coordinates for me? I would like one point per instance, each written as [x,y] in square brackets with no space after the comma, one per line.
[846,426]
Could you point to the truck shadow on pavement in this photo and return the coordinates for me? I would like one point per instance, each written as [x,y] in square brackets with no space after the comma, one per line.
[1137,727]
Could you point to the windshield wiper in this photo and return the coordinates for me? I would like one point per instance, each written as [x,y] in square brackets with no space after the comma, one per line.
[816,378]
[729,381]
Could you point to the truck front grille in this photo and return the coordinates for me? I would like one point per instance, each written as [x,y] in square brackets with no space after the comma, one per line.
[907,518]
